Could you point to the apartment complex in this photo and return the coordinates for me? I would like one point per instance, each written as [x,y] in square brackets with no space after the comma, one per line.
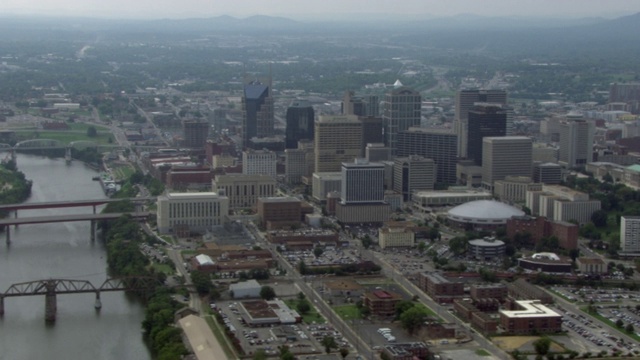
[530,317]
[440,288]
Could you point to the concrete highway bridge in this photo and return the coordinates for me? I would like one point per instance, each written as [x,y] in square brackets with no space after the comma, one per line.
[50,288]
[65,218]
[71,203]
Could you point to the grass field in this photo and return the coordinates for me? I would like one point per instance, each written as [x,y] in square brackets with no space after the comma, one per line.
[65,136]
[163,268]
[482,352]
[348,312]
[312,317]
[521,343]
[123,172]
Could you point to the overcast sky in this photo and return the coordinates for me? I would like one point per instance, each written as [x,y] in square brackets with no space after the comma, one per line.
[308,9]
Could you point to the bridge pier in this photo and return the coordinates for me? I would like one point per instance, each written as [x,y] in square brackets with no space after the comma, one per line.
[98,304]
[8,230]
[50,302]
[1,306]
[93,230]
[94,209]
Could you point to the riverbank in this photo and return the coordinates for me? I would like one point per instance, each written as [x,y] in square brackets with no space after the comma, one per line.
[14,186]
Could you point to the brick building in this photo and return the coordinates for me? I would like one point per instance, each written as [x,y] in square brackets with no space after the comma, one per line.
[381,302]
[521,289]
[540,227]
[488,291]
[279,212]
[530,317]
[440,288]
[406,351]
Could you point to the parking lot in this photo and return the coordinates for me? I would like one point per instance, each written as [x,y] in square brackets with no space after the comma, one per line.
[301,338]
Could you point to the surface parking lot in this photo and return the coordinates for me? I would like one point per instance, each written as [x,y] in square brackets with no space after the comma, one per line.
[597,295]
[595,337]
[301,338]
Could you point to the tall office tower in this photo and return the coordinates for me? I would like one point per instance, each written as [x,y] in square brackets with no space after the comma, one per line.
[257,111]
[413,173]
[371,105]
[300,118]
[259,162]
[362,182]
[439,145]
[195,133]
[465,100]
[400,111]
[371,131]
[337,140]
[365,105]
[576,141]
[484,120]
[630,234]
[505,156]
[219,118]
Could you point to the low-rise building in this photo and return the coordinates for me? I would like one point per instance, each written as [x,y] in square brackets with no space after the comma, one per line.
[345,287]
[487,248]
[381,302]
[591,265]
[396,236]
[439,288]
[546,262]
[279,212]
[266,313]
[540,227]
[523,290]
[488,291]
[246,289]
[530,317]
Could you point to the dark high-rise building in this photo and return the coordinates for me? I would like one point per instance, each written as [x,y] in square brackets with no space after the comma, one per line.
[484,120]
[465,100]
[439,145]
[300,123]
[195,133]
[365,105]
[257,111]
[401,110]
[371,131]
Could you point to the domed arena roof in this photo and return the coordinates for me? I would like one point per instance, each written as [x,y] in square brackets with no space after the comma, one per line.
[484,211]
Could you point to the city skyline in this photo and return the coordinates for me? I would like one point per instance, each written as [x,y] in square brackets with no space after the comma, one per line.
[327,10]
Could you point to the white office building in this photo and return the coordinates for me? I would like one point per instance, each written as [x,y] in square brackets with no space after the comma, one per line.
[197,211]
[362,182]
[259,162]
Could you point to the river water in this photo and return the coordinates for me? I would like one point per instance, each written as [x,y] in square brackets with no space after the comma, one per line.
[65,251]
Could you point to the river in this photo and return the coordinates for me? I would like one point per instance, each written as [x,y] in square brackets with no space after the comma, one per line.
[63,250]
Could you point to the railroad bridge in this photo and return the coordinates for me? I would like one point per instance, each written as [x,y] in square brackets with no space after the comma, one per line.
[51,288]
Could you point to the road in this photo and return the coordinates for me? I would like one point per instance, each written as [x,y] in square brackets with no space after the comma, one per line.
[393,273]
[325,310]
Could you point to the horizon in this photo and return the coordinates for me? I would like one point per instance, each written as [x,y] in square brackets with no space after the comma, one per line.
[328,10]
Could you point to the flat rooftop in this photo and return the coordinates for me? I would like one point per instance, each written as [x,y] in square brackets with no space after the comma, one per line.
[530,309]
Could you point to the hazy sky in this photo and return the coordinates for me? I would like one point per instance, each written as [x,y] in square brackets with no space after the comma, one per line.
[307,9]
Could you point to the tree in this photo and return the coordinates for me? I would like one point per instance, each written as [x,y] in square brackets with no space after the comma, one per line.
[303,306]
[413,318]
[344,352]
[574,254]
[422,246]
[542,345]
[285,353]
[267,293]
[599,218]
[202,281]
[402,306]
[317,251]
[619,323]
[92,132]
[329,342]
[366,242]
[301,296]
[629,328]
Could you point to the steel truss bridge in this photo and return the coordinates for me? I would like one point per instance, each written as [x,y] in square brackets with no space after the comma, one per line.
[50,288]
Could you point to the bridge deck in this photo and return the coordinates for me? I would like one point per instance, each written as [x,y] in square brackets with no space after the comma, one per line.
[71,203]
[65,218]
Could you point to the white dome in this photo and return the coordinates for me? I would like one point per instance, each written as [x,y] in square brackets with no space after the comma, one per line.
[484,211]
